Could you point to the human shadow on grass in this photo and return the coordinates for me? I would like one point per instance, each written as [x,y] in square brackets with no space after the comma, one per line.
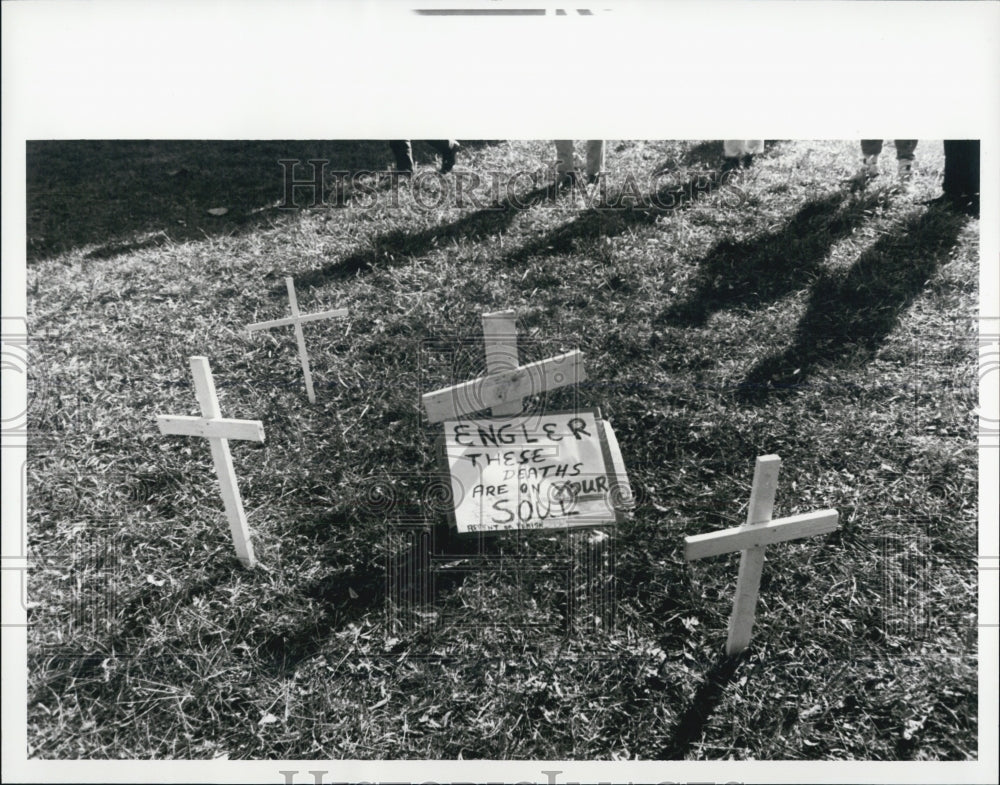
[852,313]
[772,265]
[127,195]
[691,724]
[610,213]
[396,246]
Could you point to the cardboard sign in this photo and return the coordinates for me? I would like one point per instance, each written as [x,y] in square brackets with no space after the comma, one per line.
[553,471]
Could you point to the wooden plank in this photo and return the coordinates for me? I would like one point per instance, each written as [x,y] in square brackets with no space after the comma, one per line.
[740,538]
[618,466]
[338,313]
[204,388]
[222,428]
[272,323]
[745,603]
[500,337]
[238,527]
[450,403]
[300,339]
[765,482]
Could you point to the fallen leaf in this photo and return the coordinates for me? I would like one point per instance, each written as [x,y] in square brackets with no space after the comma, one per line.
[218,210]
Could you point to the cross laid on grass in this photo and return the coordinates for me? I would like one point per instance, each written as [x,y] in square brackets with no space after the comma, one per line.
[758,532]
[212,426]
[506,383]
[298,320]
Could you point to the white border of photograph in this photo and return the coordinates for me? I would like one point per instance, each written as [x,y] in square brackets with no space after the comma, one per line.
[355,69]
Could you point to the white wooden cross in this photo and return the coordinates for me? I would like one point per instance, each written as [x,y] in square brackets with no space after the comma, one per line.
[751,538]
[298,320]
[218,430]
[506,383]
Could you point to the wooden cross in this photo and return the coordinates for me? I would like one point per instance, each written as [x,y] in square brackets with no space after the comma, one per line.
[751,538]
[298,320]
[506,383]
[218,430]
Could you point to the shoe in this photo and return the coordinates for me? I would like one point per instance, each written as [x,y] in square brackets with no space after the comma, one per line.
[869,168]
[448,158]
[566,181]
[730,164]
[967,204]
[594,179]
[905,167]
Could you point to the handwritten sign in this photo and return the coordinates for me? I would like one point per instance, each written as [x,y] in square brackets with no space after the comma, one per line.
[561,470]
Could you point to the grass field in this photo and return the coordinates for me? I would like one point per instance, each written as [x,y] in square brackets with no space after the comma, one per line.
[779,312]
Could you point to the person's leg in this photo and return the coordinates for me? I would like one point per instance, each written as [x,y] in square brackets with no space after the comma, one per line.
[447,149]
[402,150]
[905,149]
[751,147]
[904,158]
[870,151]
[961,166]
[871,147]
[961,174]
[732,151]
[565,162]
[733,148]
[595,159]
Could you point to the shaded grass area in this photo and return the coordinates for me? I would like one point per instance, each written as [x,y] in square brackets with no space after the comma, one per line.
[774,311]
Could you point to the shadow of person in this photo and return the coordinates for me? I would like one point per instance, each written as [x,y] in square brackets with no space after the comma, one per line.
[773,265]
[613,212]
[122,196]
[852,313]
[395,246]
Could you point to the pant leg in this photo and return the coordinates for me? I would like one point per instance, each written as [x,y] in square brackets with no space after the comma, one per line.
[871,147]
[442,146]
[402,150]
[565,161]
[595,156]
[961,167]
[905,149]
[732,148]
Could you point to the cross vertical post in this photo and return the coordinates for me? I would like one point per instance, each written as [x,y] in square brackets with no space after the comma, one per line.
[500,337]
[218,431]
[751,538]
[765,483]
[297,320]
[300,339]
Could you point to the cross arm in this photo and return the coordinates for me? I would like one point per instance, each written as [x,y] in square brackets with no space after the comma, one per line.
[450,403]
[741,538]
[211,428]
[339,313]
